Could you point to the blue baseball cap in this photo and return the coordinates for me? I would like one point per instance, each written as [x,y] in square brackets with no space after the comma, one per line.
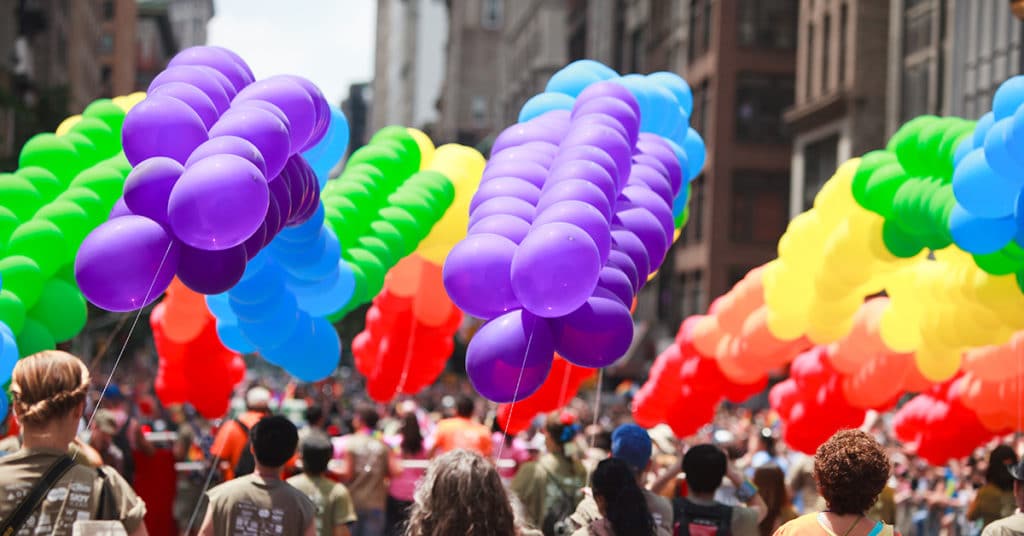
[631,444]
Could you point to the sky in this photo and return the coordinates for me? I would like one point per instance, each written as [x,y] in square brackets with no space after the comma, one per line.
[330,42]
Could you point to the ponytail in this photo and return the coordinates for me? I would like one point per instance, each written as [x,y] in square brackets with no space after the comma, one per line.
[625,505]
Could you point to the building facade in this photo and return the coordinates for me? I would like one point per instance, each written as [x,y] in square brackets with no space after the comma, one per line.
[985,50]
[534,44]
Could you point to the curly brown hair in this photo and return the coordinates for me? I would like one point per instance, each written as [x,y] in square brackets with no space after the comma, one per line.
[461,494]
[851,469]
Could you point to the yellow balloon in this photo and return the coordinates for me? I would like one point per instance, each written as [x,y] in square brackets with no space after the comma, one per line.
[463,166]
[426,147]
[937,365]
[66,125]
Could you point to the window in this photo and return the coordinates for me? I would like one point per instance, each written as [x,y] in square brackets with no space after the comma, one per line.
[843,22]
[700,28]
[701,110]
[693,293]
[916,79]
[106,43]
[478,108]
[826,53]
[917,32]
[820,161]
[760,101]
[810,62]
[491,15]
[693,232]
[108,10]
[760,206]
[768,23]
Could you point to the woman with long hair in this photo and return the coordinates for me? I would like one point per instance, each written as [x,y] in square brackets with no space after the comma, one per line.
[403,486]
[621,502]
[461,494]
[771,485]
[48,391]
[995,499]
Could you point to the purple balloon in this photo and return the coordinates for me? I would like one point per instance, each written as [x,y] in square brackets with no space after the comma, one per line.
[655,146]
[530,172]
[630,244]
[647,228]
[254,244]
[291,98]
[622,262]
[617,283]
[126,263]
[503,205]
[229,145]
[638,196]
[533,130]
[511,227]
[555,269]
[557,120]
[270,107]
[274,220]
[589,154]
[261,128]
[605,120]
[649,178]
[595,335]
[211,272]
[148,187]
[311,205]
[510,356]
[536,151]
[584,170]
[218,202]
[280,190]
[614,108]
[323,111]
[161,126]
[477,275]
[581,215]
[505,187]
[193,97]
[575,190]
[238,61]
[606,139]
[207,80]
[219,59]
[119,209]
[611,89]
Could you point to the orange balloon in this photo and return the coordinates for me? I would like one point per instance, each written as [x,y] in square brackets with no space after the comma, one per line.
[403,279]
[185,315]
[431,304]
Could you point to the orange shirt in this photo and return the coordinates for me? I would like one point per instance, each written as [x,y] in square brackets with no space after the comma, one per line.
[462,433]
[231,439]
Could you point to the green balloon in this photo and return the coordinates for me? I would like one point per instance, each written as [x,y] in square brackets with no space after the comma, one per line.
[120,163]
[57,154]
[99,133]
[881,188]
[41,241]
[436,183]
[362,168]
[372,269]
[34,338]
[21,276]
[44,181]
[928,142]
[379,249]
[386,159]
[401,136]
[376,188]
[392,238]
[105,110]
[998,263]
[355,220]
[415,205]
[8,222]
[61,309]
[89,202]
[683,218]
[67,275]
[88,154]
[70,219]
[869,163]
[406,164]
[12,311]
[1020,281]
[899,242]
[947,149]
[403,222]
[19,196]
[359,293]
[106,181]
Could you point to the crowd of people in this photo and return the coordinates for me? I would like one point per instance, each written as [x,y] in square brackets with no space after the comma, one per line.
[318,460]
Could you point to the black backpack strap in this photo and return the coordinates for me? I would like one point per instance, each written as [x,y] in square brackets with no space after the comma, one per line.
[686,511]
[242,425]
[13,524]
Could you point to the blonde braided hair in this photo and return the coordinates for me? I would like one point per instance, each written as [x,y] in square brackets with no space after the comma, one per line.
[48,385]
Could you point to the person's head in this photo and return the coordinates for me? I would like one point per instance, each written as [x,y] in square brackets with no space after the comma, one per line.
[273,439]
[560,429]
[314,415]
[631,444]
[771,485]
[316,452]
[766,441]
[620,499]
[705,466]
[366,417]
[1016,472]
[461,494]
[104,428]
[49,389]
[257,398]
[851,469]
[465,406]
[412,437]
[996,473]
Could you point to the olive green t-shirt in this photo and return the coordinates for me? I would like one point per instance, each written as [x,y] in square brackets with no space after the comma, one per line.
[332,501]
[76,496]
[253,506]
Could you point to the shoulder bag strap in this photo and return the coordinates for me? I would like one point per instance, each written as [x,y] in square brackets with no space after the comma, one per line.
[557,484]
[13,524]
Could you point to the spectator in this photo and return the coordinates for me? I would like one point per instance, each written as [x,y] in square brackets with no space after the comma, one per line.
[620,501]
[192,446]
[367,465]
[461,494]
[549,488]
[230,444]
[705,467]
[104,429]
[332,500]
[262,502]
[995,499]
[315,422]
[851,469]
[403,486]
[631,444]
[763,451]
[1012,525]
[128,436]
[48,398]
[771,486]
[462,431]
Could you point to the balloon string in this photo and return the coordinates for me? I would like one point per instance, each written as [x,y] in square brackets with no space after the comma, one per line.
[597,413]
[127,338]
[515,396]
[412,336]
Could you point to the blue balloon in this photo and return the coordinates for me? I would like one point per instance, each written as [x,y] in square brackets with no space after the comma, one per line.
[981,129]
[311,353]
[220,306]
[306,231]
[684,161]
[272,331]
[679,203]
[5,405]
[8,354]
[545,102]
[667,117]
[641,88]
[323,156]
[980,235]
[261,286]
[290,257]
[232,337]
[998,155]
[962,150]
[575,77]
[980,190]
[327,262]
[1008,97]
[341,286]
[678,87]
[693,145]
[1015,137]
[280,303]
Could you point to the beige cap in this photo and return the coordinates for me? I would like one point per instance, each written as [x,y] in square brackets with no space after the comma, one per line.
[258,398]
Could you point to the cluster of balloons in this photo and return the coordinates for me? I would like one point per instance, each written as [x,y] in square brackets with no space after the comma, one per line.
[938,426]
[561,386]
[217,174]
[992,384]
[193,365]
[574,213]
[66,184]
[409,331]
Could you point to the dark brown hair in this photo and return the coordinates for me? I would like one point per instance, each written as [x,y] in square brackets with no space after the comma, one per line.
[851,469]
[771,485]
[461,494]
